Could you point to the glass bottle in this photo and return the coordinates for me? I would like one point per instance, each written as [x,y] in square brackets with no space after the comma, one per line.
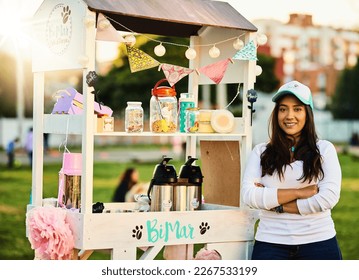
[134,117]
[163,109]
[186,100]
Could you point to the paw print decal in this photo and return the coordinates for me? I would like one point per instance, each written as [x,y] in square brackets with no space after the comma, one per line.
[66,12]
[203,227]
[137,232]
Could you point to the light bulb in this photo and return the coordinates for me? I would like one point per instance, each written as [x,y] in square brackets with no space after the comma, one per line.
[104,23]
[261,39]
[89,21]
[214,52]
[160,50]
[190,53]
[130,40]
[258,70]
[238,44]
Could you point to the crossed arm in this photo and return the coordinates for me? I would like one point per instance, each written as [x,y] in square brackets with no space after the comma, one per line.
[288,197]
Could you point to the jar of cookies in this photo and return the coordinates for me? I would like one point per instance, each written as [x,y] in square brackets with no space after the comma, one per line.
[163,109]
[134,117]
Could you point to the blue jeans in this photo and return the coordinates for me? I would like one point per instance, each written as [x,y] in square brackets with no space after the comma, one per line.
[322,250]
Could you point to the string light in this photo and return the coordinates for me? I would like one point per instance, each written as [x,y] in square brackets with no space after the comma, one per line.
[104,23]
[160,50]
[214,52]
[261,39]
[89,21]
[130,40]
[238,44]
[258,70]
[190,53]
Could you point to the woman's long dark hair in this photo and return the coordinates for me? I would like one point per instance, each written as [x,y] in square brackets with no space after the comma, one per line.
[276,157]
[124,185]
[127,178]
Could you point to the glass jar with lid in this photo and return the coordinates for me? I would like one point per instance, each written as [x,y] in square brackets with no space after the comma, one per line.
[134,117]
[192,120]
[163,109]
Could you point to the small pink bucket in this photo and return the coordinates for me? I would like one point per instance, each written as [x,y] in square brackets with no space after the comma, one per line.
[72,163]
[69,195]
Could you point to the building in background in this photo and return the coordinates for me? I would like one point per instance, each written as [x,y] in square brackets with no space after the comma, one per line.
[312,54]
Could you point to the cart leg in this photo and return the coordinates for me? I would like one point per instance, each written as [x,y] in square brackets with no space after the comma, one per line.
[123,253]
[151,253]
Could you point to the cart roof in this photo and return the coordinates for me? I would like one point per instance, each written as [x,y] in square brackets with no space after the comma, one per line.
[179,18]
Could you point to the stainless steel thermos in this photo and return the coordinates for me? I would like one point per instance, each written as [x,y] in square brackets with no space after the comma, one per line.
[169,193]
[160,191]
[188,190]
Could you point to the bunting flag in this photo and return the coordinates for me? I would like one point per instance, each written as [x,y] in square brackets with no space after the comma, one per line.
[248,52]
[174,73]
[215,71]
[109,33]
[140,60]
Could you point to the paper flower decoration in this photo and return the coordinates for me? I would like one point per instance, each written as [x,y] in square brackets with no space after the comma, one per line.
[49,233]
[205,254]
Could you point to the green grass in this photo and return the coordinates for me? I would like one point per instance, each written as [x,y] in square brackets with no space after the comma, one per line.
[15,188]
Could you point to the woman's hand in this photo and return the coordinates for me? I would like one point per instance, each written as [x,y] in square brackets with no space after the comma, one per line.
[287,195]
[307,192]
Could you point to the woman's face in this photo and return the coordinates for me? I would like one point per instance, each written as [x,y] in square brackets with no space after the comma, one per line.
[135,176]
[291,115]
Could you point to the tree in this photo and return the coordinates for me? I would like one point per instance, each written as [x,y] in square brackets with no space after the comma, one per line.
[266,82]
[8,89]
[346,97]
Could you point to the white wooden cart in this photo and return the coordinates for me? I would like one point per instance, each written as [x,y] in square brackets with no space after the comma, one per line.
[222,223]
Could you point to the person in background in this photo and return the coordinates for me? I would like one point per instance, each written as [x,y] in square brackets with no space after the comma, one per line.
[295,181]
[46,142]
[29,145]
[354,139]
[127,180]
[10,151]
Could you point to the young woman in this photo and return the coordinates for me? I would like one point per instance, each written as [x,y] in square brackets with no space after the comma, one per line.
[128,179]
[295,181]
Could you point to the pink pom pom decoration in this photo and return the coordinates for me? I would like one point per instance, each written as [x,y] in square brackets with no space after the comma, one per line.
[49,233]
[205,254]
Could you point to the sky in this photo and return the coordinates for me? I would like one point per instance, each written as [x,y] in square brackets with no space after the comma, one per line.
[336,13]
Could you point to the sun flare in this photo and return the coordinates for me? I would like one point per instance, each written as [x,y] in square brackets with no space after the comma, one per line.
[14,28]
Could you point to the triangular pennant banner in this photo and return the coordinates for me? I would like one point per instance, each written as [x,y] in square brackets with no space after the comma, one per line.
[174,73]
[215,71]
[248,52]
[107,32]
[140,60]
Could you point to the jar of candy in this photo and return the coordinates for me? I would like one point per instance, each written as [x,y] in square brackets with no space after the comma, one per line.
[163,109]
[134,117]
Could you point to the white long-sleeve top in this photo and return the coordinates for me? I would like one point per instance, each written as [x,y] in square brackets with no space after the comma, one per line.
[314,223]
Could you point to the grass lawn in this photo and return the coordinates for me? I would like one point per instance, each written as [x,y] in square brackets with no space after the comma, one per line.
[15,188]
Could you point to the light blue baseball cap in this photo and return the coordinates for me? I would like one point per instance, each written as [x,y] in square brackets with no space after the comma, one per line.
[302,92]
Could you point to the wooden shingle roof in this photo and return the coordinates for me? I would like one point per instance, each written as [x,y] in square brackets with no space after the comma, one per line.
[179,18]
